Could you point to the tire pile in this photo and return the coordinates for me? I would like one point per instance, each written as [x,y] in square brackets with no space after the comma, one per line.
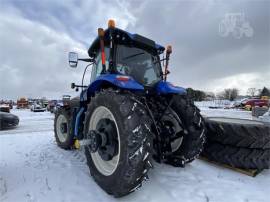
[238,143]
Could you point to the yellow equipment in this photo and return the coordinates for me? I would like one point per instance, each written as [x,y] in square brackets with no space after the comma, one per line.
[265,97]
[248,107]
[77,144]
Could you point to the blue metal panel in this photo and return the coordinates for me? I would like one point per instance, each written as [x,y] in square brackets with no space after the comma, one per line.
[164,87]
[83,95]
[130,36]
[160,48]
[77,122]
[112,79]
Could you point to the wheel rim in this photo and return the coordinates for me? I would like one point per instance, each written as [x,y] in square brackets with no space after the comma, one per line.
[62,136]
[105,167]
[176,144]
[171,118]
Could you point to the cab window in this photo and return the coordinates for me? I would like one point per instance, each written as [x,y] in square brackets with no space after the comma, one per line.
[97,68]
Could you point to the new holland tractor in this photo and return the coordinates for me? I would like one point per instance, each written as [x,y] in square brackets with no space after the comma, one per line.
[129,114]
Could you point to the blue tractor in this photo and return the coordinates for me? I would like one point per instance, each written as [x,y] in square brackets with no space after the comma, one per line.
[129,114]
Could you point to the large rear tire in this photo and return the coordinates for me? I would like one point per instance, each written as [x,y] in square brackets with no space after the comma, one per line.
[238,132]
[194,129]
[237,157]
[125,171]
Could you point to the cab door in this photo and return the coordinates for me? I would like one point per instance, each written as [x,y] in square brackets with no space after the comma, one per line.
[97,68]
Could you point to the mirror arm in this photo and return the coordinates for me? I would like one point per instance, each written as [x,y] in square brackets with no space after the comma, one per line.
[161,60]
[84,73]
[80,86]
[86,59]
[73,85]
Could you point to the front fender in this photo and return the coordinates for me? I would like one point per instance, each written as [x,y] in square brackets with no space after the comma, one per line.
[114,80]
[164,87]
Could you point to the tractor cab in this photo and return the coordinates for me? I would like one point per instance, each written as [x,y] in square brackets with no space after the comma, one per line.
[126,61]
[127,54]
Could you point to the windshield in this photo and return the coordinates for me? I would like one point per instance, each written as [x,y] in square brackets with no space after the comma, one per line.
[143,66]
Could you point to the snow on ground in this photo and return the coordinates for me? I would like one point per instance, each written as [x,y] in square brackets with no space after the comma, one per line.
[232,113]
[33,168]
[265,117]
[220,111]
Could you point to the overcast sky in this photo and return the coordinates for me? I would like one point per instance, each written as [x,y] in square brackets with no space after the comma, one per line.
[216,44]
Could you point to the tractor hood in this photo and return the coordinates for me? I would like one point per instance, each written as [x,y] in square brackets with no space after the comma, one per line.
[126,38]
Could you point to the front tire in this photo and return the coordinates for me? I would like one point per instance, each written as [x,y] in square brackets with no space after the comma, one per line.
[125,171]
[62,129]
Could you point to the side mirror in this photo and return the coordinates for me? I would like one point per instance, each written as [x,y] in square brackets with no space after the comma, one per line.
[73,59]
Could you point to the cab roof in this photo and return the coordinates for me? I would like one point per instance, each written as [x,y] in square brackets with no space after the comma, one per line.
[126,38]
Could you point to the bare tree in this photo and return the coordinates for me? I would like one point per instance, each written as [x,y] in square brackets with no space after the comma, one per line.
[210,94]
[227,93]
[234,94]
[230,93]
[259,91]
[251,92]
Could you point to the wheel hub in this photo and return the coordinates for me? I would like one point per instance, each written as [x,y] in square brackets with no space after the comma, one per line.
[95,140]
[172,131]
[104,139]
[63,127]
[109,127]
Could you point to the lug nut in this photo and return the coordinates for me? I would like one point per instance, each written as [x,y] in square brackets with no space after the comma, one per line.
[95,140]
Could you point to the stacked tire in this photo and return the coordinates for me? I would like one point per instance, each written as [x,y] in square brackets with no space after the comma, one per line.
[238,143]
